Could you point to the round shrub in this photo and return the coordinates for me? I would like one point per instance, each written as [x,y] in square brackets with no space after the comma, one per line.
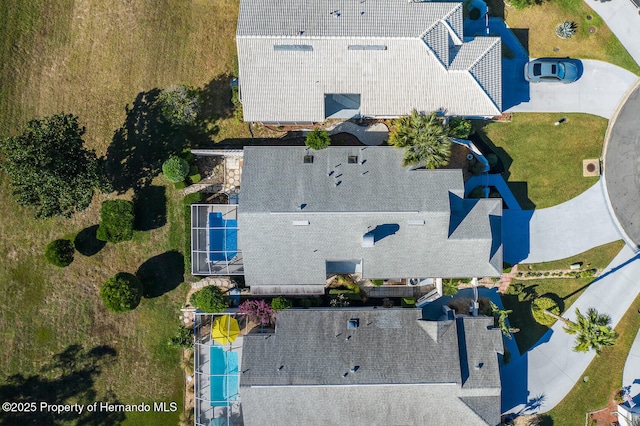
[59,253]
[538,307]
[318,139]
[121,293]
[116,221]
[210,300]
[175,169]
[280,303]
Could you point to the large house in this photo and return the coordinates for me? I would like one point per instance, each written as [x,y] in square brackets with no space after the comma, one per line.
[372,367]
[304,61]
[305,214]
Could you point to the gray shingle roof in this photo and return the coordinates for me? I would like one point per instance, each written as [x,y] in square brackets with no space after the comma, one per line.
[398,363]
[422,227]
[289,84]
[339,18]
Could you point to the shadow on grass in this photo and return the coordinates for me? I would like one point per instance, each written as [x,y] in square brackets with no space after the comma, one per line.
[146,138]
[150,204]
[521,317]
[69,378]
[161,273]
[87,243]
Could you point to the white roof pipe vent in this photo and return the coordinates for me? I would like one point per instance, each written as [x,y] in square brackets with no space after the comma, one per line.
[368,240]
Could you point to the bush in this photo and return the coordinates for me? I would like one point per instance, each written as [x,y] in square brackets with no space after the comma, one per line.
[566,29]
[121,293]
[116,221]
[537,310]
[459,127]
[210,300]
[318,139]
[377,283]
[175,169]
[280,303]
[519,4]
[59,253]
[449,287]
[258,311]
[182,339]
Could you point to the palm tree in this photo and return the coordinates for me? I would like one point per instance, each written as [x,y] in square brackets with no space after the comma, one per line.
[592,331]
[501,316]
[424,139]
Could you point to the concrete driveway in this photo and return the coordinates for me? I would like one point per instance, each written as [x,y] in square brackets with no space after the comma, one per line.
[598,91]
[558,232]
[539,379]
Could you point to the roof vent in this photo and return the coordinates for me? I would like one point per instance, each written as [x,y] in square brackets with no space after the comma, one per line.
[353,323]
[479,366]
[280,368]
[368,240]
[355,368]
[300,223]
[353,159]
[308,159]
[415,222]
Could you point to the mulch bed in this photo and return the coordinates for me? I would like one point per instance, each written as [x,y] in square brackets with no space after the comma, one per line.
[604,417]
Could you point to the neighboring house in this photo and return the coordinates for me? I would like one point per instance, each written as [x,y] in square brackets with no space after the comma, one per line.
[304,61]
[306,214]
[372,367]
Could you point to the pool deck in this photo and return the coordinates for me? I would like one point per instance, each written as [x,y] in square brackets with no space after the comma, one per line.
[204,411]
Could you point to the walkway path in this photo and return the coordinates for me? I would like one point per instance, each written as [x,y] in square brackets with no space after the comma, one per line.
[376,134]
[561,231]
[598,91]
[539,379]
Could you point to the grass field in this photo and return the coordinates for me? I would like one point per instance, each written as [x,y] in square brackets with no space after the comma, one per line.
[97,59]
[604,372]
[535,26]
[543,162]
[597,257]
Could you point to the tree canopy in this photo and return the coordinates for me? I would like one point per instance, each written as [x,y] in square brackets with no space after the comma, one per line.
[50,168]
[424,138]
[180,105]
[592,331]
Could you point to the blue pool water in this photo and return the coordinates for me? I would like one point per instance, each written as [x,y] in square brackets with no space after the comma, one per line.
[224,376]
[223,243]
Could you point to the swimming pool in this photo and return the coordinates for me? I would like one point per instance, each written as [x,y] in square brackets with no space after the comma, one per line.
[224,376]
[223,237]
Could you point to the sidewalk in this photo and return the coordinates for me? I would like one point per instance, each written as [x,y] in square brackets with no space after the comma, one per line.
[539,379]
[622,17]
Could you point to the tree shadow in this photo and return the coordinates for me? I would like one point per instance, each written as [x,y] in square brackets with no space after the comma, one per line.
[87,243]
[150,204]
[141,145]
[161,273]
[69,378]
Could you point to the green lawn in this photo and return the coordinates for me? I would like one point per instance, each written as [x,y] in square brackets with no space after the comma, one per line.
[604,372]
[101,60]
[535,27]
[520,295]
[544,162]
[597,257]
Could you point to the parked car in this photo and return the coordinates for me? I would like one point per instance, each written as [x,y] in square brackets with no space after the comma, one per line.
[551,70]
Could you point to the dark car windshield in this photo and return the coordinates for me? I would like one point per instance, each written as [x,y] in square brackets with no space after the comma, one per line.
[561,70]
